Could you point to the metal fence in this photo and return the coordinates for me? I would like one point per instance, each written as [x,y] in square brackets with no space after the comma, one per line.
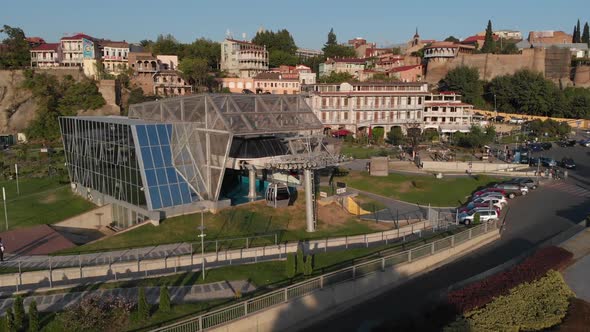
[268,300]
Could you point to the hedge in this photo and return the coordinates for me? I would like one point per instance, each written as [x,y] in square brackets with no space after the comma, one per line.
[531,306]
[484,291]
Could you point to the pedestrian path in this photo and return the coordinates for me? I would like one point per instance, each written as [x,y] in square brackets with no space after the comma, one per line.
[178,294]
[566,187]
[576,275]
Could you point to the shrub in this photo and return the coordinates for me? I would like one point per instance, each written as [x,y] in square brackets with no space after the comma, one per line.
[19,313]
[291,265]
[482,292]
[308,267]
[143,307]
[533,306]
[164,305]
[95,313]
[300,262]
[9,320]
[476,218]
[33,317]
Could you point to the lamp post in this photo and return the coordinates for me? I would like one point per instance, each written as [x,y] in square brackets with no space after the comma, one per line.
[202,236]
[5,211]
[16,172]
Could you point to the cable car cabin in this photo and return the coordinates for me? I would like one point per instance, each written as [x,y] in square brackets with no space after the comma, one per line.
[277,195]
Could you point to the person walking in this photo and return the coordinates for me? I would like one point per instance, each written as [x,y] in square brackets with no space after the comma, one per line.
[1,250]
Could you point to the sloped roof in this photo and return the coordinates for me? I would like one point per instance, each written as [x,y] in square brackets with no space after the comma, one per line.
[403,68]
[78,37]
[46,47]
[238,114]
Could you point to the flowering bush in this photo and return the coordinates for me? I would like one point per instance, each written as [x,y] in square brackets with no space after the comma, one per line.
[95,313]
[484,291]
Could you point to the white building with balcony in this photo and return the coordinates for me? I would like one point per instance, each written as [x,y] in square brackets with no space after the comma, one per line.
[361,106]
[114,56]
[443,51]
[46,56]
[352,66]
[243,59]
[76,49]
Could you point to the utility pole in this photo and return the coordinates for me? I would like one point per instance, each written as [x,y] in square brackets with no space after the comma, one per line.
[202,236]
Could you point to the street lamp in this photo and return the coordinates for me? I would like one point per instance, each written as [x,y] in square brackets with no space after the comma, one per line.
[202,236]
[5,211]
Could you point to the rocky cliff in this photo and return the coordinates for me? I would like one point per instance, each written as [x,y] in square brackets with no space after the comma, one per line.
[18,108]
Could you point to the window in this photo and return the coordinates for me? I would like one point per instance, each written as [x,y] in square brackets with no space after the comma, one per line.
[345,116]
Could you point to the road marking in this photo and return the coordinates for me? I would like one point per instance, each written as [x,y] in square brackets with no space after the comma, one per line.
[569,188]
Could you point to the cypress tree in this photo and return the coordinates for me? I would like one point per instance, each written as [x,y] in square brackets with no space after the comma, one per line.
[291,265]
[578,38]
[586,34]
[489,45]
[33,317]
[300,261]
[19,313]
[143,308]
[164,299]
[575,34]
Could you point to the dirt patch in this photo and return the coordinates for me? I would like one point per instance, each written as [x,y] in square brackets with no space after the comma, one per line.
[577,318]
[51,198]
[332,215]
[405,187]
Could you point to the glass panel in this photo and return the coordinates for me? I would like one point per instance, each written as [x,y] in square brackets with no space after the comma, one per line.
[172,177]
[142,135]
[150,176]
[185,192]
[163,134]
[161,172]
[155,196]
[166,199]
[167,155]
[147,157]
[175,191]
[152,135]
[157,155]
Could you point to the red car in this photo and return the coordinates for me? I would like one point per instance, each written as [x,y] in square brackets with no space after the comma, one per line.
[478,205]
[488,190]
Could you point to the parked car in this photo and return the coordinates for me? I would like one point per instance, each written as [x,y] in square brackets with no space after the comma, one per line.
[567,163]
[484,215]
[479,206]
[499,202]
[585,142]
[535,161]
[487,190]
[512,189]
[527,182]
[536,147]
[548,162]
[569,143]
[546,145]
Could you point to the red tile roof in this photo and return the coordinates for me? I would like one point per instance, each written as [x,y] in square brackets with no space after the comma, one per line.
[347,60]
[78,37]
[110,43]
[443,104]
[403,68]
[35,40]
[46,47]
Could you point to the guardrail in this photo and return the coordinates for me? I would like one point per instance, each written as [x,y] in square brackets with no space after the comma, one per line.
[262,302]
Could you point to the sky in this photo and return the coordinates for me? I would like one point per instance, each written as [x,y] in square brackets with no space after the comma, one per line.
[309,21]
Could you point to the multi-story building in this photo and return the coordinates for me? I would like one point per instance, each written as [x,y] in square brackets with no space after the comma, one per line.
[114,56]
[76,49]
[46,55]
[412,73]
[170,83]
[443,51]
[156,75]
[358,107]
[549,37]
[306,53]
[277,83]
[242,58]
[353,66]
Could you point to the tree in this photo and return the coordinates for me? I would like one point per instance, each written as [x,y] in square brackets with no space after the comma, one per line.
[332,49]
[335,77]
[308,268]
[464,80]
[143,307]
[167,44]
[79,96]
[331,39]
[194,70]
[489,45]
[16,53]
[578,33]
[204,49]
[396,51]
[96,313]
[291,265]
[509,47]
[575,34]
[34,325]
[300,261]
[395,136]
[19,313]
[586,34]
[164,305]
[276,41]
[278,57]
[452,39]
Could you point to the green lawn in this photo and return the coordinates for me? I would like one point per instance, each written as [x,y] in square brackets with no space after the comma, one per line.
[245,220]
[363,152]
[369,204]
[424,190]
[41,201]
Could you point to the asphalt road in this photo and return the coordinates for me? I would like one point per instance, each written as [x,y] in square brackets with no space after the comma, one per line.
[530,220]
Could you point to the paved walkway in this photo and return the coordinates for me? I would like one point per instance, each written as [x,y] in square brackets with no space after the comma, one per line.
[577,274]
[178,294]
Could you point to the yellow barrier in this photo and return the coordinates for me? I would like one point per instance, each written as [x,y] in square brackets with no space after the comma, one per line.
[354,208]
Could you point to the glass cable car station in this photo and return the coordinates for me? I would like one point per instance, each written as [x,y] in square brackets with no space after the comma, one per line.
[185,154]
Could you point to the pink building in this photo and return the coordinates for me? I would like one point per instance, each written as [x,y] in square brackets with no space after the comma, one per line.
[412,73]
[46,55]
[277,83]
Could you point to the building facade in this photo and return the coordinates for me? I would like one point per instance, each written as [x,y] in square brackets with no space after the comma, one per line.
[115,56]
[360,107]
[243,59]
[277,83]
[169,83]
[78,48]
[306,53]
[549,37]
[46,56]
[444,51]
[352,66]
[157,75]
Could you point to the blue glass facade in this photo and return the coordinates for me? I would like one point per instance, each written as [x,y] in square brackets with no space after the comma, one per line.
[165,187]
